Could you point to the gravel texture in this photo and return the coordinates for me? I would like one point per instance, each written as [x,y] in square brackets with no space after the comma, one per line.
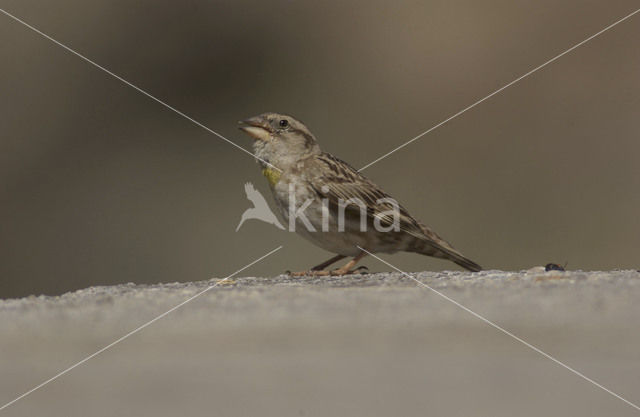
[366,345]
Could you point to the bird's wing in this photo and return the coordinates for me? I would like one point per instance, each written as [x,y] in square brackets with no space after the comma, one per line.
[338,181]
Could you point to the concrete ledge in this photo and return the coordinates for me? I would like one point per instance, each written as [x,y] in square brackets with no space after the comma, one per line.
[365,345]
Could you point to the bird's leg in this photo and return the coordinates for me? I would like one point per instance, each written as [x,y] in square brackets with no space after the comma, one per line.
[311,272]
[347,268]
[319,270]
[327,263]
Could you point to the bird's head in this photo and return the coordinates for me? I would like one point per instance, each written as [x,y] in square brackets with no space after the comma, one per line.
[280,139]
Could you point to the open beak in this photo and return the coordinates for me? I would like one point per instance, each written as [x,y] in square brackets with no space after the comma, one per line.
[256,127]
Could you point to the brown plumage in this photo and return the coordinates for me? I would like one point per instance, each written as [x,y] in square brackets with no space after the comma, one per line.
[344,182]
[314,175]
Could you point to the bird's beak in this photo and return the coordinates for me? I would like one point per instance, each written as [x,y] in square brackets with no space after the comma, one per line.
[256,127]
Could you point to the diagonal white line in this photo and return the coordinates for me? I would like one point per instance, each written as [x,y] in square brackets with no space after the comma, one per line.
[135,87]
[499,90]
[136,330]
[508,333]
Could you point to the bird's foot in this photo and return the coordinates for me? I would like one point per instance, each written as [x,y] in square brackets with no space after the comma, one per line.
[323,273]
[310,273]
[344,271]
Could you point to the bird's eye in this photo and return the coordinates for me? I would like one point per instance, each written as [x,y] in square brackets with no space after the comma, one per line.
[284,123]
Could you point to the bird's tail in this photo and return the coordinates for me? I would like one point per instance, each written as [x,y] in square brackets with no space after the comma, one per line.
[434,245]
[464,262]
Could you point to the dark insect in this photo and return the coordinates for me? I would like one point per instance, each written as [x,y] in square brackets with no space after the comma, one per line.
[553,267]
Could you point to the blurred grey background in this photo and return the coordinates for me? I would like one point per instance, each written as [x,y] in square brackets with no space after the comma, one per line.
[101,185]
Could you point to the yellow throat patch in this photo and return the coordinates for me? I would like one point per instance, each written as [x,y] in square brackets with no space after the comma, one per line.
[272,175]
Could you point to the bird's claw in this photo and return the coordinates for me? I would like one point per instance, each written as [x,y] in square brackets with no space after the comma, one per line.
[341,271]
[362,269]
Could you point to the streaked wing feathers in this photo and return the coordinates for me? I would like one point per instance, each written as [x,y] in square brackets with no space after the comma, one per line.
[338,181]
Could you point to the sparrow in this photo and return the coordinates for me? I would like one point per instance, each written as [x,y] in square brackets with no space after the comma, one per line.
[330,203]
